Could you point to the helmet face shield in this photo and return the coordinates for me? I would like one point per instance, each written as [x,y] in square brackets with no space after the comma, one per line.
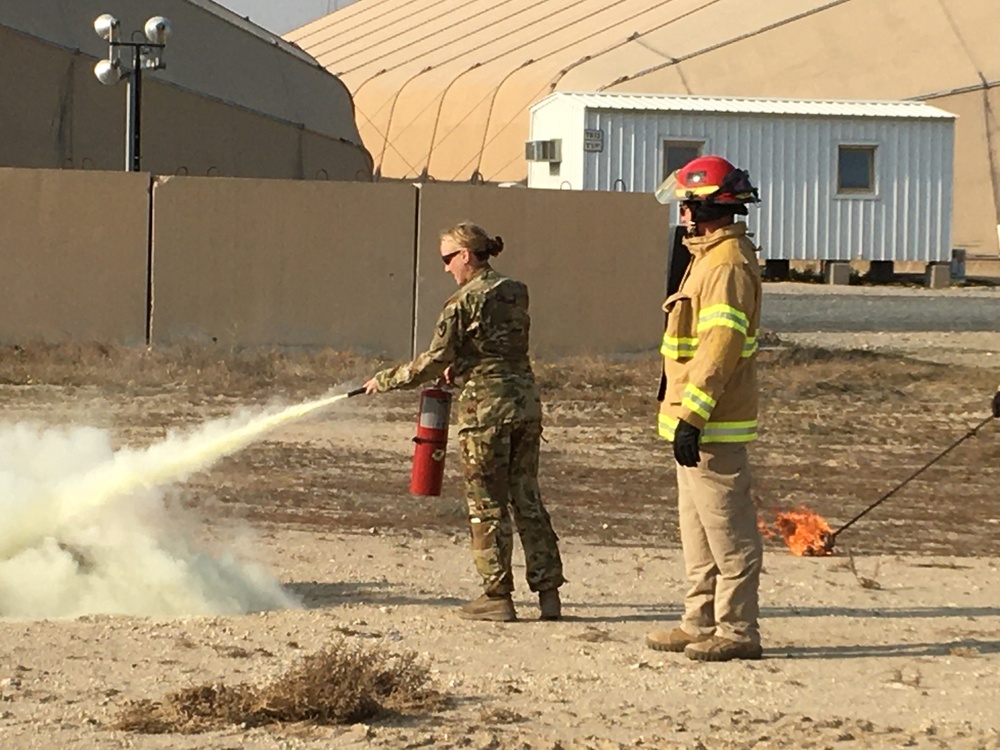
[667,191]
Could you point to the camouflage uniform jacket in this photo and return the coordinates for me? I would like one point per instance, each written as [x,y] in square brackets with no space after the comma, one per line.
[482,333]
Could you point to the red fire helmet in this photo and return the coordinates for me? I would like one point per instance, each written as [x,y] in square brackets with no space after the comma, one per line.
[708,179]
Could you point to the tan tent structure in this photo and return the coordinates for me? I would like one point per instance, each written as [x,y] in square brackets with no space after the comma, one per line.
[443,88]
[234,99]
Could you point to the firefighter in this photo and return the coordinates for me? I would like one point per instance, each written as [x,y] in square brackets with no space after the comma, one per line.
[995,404]
[481,343]
[708,411]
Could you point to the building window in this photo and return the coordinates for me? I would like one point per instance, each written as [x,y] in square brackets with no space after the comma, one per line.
[856,169]
[678,153]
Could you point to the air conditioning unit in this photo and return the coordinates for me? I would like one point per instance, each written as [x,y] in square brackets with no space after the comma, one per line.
[550,151]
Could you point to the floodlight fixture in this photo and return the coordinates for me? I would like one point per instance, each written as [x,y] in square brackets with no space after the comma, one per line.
[158,29]
[107,27]
[108,72]
[147,54]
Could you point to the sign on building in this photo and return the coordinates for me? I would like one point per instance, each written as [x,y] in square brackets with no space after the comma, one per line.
[593,141]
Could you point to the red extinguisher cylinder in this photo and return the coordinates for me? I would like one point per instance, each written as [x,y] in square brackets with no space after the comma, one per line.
[431,442]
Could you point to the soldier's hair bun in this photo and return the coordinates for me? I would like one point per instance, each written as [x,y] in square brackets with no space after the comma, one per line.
[474,238]
[494,246]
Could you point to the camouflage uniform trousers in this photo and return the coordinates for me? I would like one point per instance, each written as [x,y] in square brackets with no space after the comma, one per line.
[500,464]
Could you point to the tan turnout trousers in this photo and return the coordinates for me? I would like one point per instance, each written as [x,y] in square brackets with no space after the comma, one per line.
[722,544]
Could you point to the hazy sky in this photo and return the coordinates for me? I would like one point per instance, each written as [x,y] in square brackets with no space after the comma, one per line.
[281,16]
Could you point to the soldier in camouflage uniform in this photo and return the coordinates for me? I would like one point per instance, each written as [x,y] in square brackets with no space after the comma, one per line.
[481,341]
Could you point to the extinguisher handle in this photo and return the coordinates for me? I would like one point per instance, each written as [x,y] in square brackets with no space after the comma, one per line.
[356,392]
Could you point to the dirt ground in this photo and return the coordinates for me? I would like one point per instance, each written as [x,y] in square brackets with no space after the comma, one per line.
[892,642]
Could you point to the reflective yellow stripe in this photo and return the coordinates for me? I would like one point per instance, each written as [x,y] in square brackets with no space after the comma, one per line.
[714,432]
[674,348]
[678,348]
[667,427]
[729,432]
[684,192]
[698,401]
[722,315]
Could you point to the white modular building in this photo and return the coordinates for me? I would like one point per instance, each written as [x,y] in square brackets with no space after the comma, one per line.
[839,180]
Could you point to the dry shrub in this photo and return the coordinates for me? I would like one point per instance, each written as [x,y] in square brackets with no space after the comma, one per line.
[342,684]
[768,339]
[599,374]
[208,367]
[807,355]
[806,373]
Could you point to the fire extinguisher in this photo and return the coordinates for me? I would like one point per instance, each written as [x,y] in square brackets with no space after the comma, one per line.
[430,442]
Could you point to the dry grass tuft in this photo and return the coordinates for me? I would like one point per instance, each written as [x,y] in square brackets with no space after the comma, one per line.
[342,684]
[491,716]
[901,676]
[865,582]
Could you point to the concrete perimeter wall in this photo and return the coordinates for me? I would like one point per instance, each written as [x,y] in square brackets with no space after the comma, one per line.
[594,263]
[251,262]
[273,262]
[74,253]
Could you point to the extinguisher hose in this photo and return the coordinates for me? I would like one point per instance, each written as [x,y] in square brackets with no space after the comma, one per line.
[969,433]
[356,392]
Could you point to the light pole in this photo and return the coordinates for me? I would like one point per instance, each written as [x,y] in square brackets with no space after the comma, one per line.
[146,54]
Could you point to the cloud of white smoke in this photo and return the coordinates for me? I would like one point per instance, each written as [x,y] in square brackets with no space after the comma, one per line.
[85,529]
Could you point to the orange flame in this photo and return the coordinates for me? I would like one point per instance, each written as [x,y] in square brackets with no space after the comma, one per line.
[763,528]
[806,533]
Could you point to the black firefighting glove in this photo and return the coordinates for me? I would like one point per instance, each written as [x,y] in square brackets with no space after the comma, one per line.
[686,444]
[996,405]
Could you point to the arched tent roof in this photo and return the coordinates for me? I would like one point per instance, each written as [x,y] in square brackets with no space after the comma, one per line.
[444,88]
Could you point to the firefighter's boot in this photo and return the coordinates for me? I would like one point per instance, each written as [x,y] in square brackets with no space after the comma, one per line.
[723,649]
[675,640]
[490,607]
[550,604]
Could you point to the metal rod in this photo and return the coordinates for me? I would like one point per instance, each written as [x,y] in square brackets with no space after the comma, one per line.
[134,113]
[137,126]
[914,475]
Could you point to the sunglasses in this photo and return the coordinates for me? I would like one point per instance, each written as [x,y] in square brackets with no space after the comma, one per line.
[447,259]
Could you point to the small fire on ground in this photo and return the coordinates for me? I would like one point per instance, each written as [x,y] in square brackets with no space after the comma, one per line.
[806,533]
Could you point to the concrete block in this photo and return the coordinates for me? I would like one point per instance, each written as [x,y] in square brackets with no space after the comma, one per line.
[938,275]
[958,258]
[838,273]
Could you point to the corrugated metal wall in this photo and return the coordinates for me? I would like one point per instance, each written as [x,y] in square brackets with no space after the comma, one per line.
[794,160]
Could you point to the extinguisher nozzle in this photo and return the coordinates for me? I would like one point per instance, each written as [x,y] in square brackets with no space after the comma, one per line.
[356,392]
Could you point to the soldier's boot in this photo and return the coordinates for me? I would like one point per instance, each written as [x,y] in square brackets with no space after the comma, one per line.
[490,607]
[676,640]
[717,648]
[550,604]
